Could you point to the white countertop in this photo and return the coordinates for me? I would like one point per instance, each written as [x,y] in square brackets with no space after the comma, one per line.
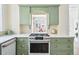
[61,36]
[5,38]
[8,37]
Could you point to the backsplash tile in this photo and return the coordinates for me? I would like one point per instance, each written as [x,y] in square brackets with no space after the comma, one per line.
[24,28]
[53,29]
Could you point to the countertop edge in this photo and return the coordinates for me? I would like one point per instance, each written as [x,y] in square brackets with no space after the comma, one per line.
[8,37]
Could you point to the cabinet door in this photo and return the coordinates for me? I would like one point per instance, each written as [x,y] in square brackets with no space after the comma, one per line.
[22,46]
[39,9]
[25,15]
[53,15]
[63,46]
[51,46]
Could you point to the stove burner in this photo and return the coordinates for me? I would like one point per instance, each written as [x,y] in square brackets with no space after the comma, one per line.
[39,38]
[36,34]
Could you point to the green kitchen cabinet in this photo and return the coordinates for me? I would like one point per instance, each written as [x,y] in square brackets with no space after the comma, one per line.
[39,9]
[25,15]
[52,11]
[53,15]
[61,46]
[22,46]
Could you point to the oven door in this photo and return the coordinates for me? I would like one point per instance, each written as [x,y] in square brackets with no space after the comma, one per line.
[39,47]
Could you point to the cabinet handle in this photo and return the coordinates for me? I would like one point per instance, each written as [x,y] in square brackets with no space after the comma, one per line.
[8,44]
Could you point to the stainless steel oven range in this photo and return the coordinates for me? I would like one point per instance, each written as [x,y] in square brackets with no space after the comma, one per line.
[39,44]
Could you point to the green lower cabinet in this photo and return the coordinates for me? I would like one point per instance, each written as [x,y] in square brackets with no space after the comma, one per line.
[22,46]
[62,46]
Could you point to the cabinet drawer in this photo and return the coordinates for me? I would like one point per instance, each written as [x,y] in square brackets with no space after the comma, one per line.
[62,52]
[66,40]
[63,46]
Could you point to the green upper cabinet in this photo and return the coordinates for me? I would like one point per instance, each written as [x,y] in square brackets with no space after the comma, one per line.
[27,11]
[53,15]
[52,11]
[25,15]
[39,9]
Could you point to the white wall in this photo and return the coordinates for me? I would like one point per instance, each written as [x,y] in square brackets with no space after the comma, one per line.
[14,17]
[5,17]
[63,28]
[73,18]
[1,26]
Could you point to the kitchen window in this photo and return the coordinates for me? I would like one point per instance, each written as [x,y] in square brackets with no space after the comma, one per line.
[1,29]
[39,23]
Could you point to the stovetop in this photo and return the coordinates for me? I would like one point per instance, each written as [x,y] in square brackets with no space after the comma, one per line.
[39,34]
